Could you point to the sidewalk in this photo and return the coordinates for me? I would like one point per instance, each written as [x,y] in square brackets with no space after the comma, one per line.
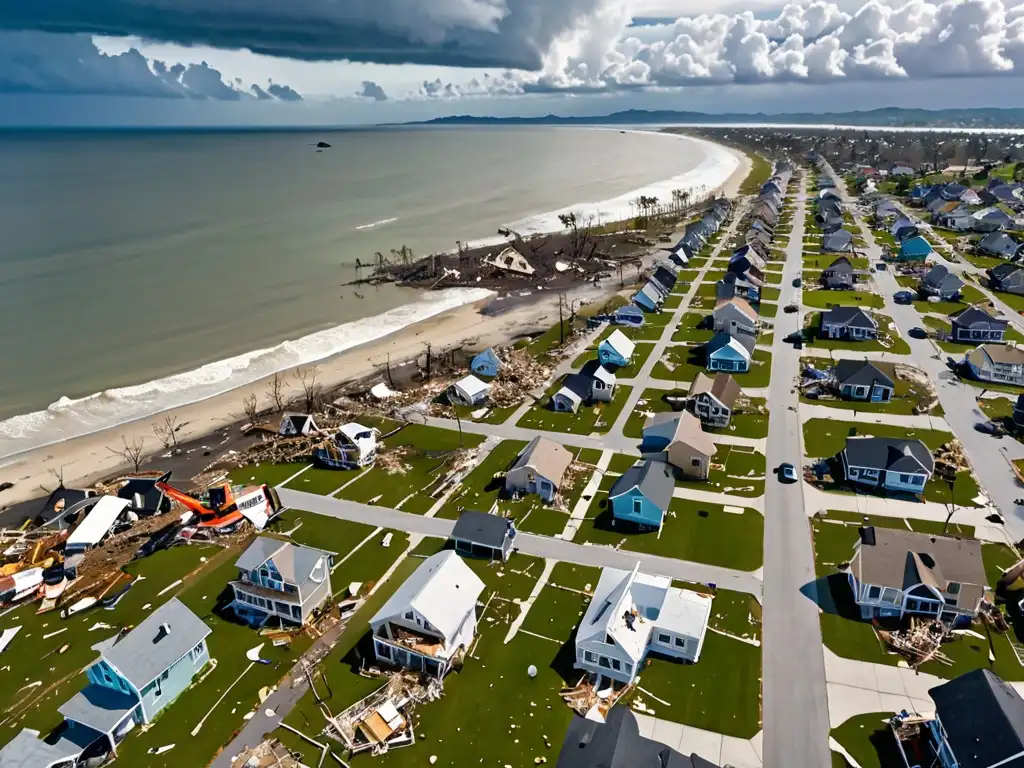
[687,740]
[924,421]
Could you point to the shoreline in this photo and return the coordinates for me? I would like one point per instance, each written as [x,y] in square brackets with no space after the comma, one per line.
[85,459]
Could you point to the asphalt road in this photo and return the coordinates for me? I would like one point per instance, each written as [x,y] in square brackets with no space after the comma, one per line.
[795,707]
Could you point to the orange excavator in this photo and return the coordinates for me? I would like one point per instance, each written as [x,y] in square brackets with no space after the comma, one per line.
[221,510]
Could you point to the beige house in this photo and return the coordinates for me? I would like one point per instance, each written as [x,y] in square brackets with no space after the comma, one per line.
[691,448]
[538,469]
[712,398]
[735,316]
[1001,363]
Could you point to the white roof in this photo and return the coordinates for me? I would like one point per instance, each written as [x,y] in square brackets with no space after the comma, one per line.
[621,343]
[568,393]
[364,438]
[442,590]
[471,386]
[685,612]
[103,515]
[603,374]
[381,391]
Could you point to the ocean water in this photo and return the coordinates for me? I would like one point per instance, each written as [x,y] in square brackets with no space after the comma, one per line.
[141,271]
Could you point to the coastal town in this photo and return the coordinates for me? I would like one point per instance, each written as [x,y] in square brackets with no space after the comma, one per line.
[757,504]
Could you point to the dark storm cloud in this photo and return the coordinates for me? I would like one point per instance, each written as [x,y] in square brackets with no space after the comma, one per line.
[474,33]
[372,90]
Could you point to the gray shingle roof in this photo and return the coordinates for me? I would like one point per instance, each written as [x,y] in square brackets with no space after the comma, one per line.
[973,316]
[654,480]
[481,528]
[861,373]
[98,707]
[27,750]
[851,317]
[145,652]
[983,718]
[293,561]
[881,453]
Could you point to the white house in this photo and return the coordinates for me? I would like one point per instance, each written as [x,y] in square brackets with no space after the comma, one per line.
[360,442]
[431,619]
[469,391]
[633,613]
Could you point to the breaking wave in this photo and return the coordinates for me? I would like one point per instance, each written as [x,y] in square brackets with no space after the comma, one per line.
[375,224]
[67,418]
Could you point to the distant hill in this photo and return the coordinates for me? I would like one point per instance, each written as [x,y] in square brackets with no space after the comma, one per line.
[887,116]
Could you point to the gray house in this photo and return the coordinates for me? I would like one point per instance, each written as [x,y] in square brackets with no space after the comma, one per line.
[942,283]
[479,534]
[976,326]
[848,323]
[538,469]
[864,380]
[713,397]
[1001,244]
[280,580]
[840,241]
[838,276]
[887,463]
[1008,278]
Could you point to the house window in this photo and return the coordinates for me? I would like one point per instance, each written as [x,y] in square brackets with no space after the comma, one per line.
[663,638]
[627,668]
[602,661]
[638,506]
[696,463]
[409,615]
[681,642]
[291,589]
[588,656]
[616,665]
[890,595]
[383,651]
[196,652]
[874,592]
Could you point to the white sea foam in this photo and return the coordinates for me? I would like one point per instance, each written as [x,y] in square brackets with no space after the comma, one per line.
[375,224]
[67,417]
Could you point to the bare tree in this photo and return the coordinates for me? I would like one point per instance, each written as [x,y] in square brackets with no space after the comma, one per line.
[58,473]
[167,432]
[132,452]
[310,389]
[275,391]
[251,409]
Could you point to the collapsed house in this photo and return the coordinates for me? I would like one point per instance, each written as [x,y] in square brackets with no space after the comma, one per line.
[353,446]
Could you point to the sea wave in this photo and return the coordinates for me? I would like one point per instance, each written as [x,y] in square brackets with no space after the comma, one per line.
[375,224]
[711,173]
[72,417]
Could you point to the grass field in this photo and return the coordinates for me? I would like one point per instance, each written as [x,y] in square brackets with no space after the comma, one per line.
[683,363]
[889,339]
[823,299]
[598,417]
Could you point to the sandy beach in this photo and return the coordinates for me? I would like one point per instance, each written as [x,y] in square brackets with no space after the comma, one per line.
[89,458]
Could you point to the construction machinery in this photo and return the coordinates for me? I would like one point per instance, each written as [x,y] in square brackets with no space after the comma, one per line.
[222,507]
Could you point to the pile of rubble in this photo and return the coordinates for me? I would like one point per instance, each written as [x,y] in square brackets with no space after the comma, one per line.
[521,374]
[950,459]
[919,643]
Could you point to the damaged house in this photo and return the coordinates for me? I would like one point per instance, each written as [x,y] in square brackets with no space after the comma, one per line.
[538,469]
[430,620]
[280,580]
[510,260]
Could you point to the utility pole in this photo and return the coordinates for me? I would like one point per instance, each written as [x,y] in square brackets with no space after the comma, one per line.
[458,421]
[561,325]
[428,360]
[391,381]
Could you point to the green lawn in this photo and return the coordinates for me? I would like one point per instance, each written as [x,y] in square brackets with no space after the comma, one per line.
[760,172]
[688,329]
[269,474]
[823,299]
[691,530]
[869,740]
[425,454]
[889,339]
[907,396]
[969,295]
[480,489]
[983,262]
[736,470]
[683,363]
[1013,300]
[590,418]
[640,354]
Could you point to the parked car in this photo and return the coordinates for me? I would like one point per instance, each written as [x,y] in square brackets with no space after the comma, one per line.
[918,333]
[903,297]
[881,266]
[790,308]
[794,337]
[993,428]
[797,282]
[787,473]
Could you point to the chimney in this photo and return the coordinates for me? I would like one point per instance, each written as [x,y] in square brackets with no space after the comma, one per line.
[867,535]
[165,631]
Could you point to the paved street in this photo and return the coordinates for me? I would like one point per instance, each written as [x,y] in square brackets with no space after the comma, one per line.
[795,710]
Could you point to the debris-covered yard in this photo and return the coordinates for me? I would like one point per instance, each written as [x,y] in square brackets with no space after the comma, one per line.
[598,417]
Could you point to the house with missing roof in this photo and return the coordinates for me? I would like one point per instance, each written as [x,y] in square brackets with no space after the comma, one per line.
[865,380]
[712,398]
[144,497]
[538,469]
[851,323]
[352,447]
[642,494]
[280,580]
[896,572]
[616,743]
[999,363]
[978,723]
[293,424]
[479,534]
[139,673]
[430,621]
[939,281]
[732,354]
[976,326]
[888,463]
[632,614]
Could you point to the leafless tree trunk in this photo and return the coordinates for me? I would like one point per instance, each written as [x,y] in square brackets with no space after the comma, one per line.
[275,392]
[167,432]
[132,452]
[310,390]
[251,409]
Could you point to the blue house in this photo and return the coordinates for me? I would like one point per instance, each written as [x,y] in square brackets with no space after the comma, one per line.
[616,350]
[486,363]
[630,315]
[914,249]
[731,354]
[641,496]
[648,298]
[920,192]
[136,677]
